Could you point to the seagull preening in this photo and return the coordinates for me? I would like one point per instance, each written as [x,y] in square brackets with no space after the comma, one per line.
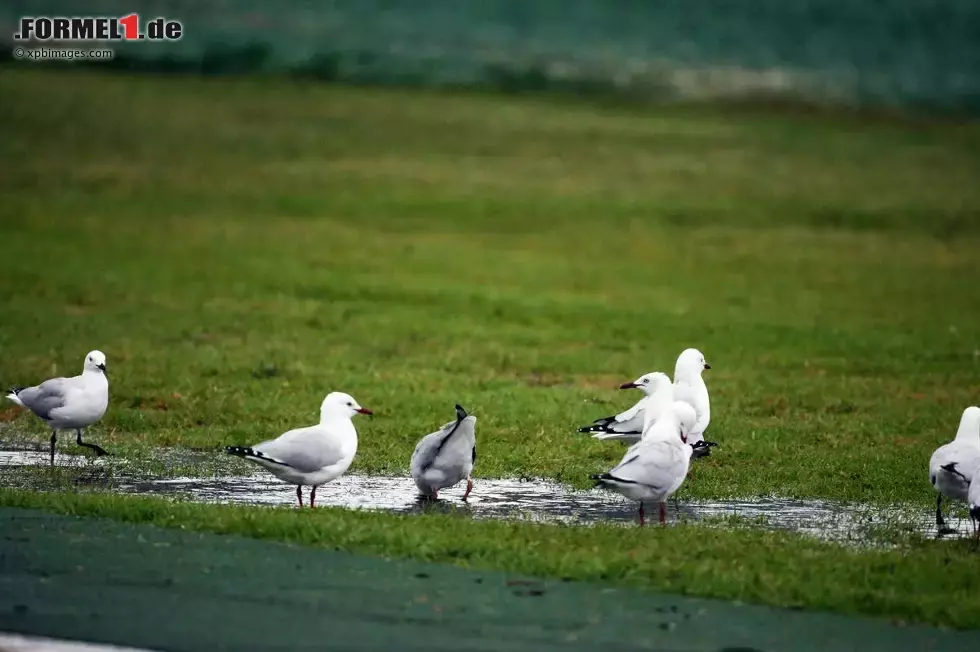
[313,455]
[655,467]
[70,403]
[688,386]
[446,457]
[952,465]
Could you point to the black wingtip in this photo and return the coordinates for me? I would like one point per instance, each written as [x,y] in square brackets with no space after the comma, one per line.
[951,467]
[460,412]
[239,451]
[15,390]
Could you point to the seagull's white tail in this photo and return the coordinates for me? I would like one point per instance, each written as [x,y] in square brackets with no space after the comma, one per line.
[14,391]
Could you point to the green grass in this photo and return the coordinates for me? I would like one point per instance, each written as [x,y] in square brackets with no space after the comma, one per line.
[240,247]
[912,585]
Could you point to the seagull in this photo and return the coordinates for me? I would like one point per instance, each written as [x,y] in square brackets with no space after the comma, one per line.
[973,501]
[972,498]
[313,455]
[443,458]
[69,403]
[627,425]
[688,386]
[951,462]
[655,467]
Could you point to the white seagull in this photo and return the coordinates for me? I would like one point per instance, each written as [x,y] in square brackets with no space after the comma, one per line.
[655,467]
[973,502]
[445,457]
[952,465]
[313,455]
[69,403]
[627,425]
[688,386]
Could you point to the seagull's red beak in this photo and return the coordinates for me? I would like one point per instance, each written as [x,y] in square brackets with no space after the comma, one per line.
[364,411]
[627,385]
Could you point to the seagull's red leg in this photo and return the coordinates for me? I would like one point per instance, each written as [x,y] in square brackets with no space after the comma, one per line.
[299,494]
[641,513]
[469,488]
[663,514]
[312,495]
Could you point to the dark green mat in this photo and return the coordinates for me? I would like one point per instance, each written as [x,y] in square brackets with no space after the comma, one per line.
[98,580]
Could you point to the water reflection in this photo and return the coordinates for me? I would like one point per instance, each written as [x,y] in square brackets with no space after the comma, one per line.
[535,500]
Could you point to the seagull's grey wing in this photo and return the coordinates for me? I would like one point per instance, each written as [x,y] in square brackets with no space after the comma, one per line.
[428,450]
[49,395]
[654,464]
[304,449]
[627,422]
[631,420]
[425,451]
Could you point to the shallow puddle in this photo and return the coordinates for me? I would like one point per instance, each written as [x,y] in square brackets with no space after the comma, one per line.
[536,500]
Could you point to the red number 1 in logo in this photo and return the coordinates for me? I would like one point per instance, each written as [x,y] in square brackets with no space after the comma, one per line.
[132,24]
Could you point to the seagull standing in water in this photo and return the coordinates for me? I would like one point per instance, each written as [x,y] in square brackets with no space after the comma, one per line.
[445,457]
[313,455]
[69,403]
[655,467]
[952,465]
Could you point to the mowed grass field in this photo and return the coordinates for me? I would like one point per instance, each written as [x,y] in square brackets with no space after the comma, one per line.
[240,247]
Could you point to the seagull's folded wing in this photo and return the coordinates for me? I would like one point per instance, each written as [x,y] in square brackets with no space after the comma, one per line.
[305,449]
[49,395]
[656,464]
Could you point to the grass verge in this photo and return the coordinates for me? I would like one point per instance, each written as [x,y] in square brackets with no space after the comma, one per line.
[928,583]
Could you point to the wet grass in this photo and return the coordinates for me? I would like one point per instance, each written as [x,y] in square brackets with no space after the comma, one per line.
[912,585]
[240,247]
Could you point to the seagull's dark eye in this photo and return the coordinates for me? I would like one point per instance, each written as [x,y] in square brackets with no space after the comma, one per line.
[646,380]
[349,404]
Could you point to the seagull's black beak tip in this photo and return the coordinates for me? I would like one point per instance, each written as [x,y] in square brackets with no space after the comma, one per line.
[102,367]
[627,386]
[707,366]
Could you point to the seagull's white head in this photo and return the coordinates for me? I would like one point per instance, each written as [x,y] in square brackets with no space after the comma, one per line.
[647,383]
[686,418]
[969,429]
[338,405]
[690,364]
[95,361]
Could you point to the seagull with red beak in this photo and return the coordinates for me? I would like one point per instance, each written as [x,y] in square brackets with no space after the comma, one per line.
[655,467]
[313,455]
[688,386]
